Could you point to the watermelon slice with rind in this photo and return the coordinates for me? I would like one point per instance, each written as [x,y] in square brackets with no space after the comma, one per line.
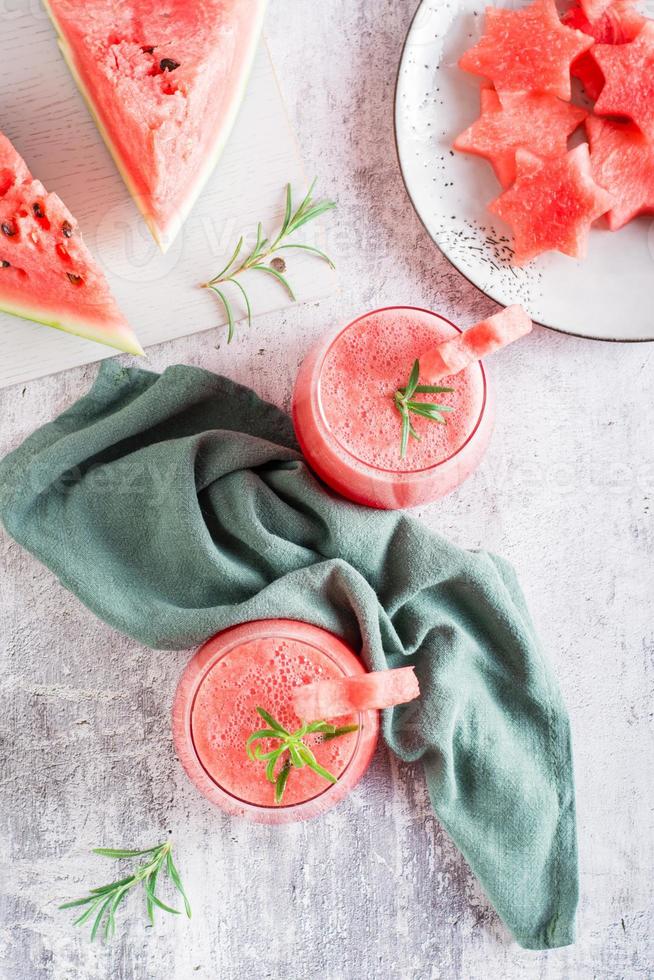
[526,50]
[534,121]
[485,337]
[629,73]
[164,82]
[619,24]
[622,160]
[552,204]
[47,273]
[324,700]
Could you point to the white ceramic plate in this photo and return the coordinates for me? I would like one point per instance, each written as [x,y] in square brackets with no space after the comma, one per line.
[607,296]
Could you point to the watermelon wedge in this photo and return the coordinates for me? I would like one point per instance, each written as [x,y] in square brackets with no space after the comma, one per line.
[629,73]
[552,204]
[164,81]
[476,342]
[46,272]
[534,121]
[527,50]
[619,24]
[333,698]
[622,161]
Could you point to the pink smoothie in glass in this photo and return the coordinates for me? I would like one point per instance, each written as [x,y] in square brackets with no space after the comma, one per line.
[260,665]
[350,430]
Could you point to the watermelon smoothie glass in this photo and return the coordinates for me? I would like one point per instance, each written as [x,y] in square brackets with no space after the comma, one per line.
[349,428]
[262,664]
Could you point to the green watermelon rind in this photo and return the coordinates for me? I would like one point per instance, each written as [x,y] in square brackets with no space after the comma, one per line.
[164,237]
[121,339]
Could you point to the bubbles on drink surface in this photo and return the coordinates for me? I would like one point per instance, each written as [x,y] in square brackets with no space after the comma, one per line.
[262,673]
[361,371]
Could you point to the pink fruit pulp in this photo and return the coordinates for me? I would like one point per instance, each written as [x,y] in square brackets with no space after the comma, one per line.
[262,664]
[349,428]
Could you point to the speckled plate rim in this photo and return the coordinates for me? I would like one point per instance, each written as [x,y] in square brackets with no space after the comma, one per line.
[407,185]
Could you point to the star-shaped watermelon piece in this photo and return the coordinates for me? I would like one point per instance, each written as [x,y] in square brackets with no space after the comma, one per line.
[552,204]
[622,161]
[619,24]
[594,8]
[527,50]
[589,74]
[533,121]
[629,73]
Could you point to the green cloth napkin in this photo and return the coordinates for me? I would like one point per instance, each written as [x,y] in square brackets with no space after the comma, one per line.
[177,505]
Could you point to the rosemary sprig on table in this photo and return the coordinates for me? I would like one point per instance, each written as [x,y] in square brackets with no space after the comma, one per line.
[428,410]
[264,251]
[293,752]
[101,903]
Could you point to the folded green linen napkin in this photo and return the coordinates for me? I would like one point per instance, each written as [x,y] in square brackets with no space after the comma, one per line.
[177,505]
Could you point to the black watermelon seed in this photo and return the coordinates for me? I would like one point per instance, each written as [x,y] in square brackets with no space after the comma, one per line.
[5,264]
[38,210]
[148,49]
[8,229]
[167,64]
[67,229]
[74,278]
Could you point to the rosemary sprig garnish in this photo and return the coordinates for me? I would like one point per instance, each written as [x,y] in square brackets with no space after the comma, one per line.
[264,250]
[428,410]
[101,903]
[293,752]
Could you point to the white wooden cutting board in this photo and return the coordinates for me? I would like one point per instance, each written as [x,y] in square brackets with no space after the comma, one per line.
[43,114]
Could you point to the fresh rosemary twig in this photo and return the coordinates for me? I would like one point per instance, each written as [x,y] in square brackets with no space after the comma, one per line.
[101,903]
[293,753]
[428,410]
[264,250]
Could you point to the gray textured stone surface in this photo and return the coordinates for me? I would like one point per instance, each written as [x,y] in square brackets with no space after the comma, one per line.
[375,888]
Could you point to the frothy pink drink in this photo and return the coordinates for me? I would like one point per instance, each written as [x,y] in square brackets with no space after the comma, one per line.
[262,664]
[350,430]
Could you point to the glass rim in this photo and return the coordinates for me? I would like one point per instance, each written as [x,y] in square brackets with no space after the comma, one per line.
[382,469]
[233,796]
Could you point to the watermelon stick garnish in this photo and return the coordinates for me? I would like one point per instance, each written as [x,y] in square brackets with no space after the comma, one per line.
[450,358]
[292,752]
[363,692]
[265,251]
